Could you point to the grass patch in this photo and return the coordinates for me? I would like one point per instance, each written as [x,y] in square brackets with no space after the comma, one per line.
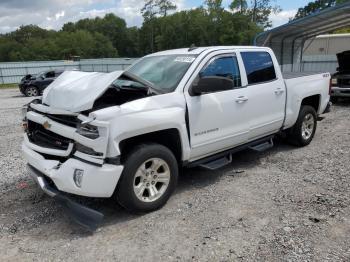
[5,86]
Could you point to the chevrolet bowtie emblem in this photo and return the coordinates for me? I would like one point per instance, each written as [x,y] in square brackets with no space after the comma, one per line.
[46,125]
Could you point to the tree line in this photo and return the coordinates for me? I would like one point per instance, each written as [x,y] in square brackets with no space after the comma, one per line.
[315,6]
[163,28]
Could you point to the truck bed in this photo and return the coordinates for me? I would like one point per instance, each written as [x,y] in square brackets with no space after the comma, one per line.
[305,84]
[289,75]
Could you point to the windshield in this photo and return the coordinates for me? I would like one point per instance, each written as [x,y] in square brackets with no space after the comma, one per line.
[41,74]
[164,72]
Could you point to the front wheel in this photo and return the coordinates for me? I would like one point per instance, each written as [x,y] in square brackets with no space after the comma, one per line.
[303,131]
[148,179]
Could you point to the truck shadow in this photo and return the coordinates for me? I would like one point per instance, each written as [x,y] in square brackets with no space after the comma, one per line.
[194,179]
[48,212]
[342,102]
[241,161]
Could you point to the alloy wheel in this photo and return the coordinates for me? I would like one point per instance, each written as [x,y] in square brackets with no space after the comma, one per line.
[307,127]
[151,179]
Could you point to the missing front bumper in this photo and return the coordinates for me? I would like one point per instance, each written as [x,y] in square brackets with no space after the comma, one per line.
[84,216]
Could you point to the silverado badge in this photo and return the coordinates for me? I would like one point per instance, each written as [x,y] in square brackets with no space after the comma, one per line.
[46,125]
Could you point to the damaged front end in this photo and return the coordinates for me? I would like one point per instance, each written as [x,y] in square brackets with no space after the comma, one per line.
[66,153]
[66,146]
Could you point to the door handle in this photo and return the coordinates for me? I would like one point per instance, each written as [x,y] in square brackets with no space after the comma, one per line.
[279,91]
[241,99]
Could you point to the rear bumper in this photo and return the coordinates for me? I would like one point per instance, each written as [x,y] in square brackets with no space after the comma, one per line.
[97,181]
[340,92]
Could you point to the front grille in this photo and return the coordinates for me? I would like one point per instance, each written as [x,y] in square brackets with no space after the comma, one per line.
[38,135]
[67,120]
[344,82]
[71,121]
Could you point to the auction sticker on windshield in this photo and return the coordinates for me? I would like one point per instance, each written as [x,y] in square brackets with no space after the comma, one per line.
[184,59]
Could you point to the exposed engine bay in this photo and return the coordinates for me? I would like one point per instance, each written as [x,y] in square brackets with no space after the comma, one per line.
[89,91]
[125,89]
[115,96]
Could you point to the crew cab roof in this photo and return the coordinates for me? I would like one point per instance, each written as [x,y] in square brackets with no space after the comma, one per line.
[199,50]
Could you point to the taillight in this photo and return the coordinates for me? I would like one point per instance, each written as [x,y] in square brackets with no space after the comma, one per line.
[334,81]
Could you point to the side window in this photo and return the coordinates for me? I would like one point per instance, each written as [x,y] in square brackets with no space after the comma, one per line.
[50,74]
[224,67]
[259,67]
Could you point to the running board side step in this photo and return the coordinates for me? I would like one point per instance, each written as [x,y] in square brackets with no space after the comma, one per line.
[223,158]
[217,163]
[263,146]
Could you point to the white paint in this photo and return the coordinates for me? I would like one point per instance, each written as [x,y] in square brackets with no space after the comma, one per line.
[76,91]
[221,119]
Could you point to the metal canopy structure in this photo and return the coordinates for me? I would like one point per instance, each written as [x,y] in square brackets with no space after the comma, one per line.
[288,40]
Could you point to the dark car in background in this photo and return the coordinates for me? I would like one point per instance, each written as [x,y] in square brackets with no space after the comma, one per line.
[34,85]
[341,79]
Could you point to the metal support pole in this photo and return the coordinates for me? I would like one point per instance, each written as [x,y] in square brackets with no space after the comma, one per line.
[292,55]
[2,76]
[301,54]
[281,54]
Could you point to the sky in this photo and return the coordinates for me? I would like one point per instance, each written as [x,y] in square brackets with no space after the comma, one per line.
[52,14]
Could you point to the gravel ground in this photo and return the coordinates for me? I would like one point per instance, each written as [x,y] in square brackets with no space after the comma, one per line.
[289,204]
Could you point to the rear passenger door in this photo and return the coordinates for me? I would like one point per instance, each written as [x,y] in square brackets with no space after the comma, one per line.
[266,92]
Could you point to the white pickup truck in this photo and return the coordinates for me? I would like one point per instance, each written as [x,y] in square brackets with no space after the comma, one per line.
[127,134]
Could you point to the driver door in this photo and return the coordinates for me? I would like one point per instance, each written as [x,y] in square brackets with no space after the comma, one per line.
[218,120]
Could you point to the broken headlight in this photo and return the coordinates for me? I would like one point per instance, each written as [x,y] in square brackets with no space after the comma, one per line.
[26,108]
[24,111]
[88,131]
[24,118]
[87,150]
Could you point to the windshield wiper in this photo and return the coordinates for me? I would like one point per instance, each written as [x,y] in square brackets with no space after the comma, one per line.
[142,81]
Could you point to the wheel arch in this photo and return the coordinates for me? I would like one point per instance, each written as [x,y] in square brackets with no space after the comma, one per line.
[170,138]
[313,101]
[294,107]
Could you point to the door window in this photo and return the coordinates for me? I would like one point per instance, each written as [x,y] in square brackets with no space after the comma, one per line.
[50,74]
[224,67]
[58,73]
[259,67]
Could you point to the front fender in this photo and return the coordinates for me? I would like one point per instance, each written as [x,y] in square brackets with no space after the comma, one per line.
[131,125]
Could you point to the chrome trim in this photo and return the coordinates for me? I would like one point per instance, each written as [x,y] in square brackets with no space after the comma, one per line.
[41,181]
[49,151]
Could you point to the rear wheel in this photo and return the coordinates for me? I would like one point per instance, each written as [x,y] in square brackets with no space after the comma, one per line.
[303,131]
[31,91]
[149,178]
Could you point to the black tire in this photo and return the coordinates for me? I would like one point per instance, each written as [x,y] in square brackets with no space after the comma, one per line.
[295,134]
[125,193]
[31,91]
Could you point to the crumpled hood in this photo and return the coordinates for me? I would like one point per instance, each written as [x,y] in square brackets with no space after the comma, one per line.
[76,91]
[344,61]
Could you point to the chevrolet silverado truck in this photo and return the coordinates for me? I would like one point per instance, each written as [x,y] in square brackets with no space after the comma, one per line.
[126,134]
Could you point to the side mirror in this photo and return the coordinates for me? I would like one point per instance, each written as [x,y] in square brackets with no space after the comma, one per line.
[210,84]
